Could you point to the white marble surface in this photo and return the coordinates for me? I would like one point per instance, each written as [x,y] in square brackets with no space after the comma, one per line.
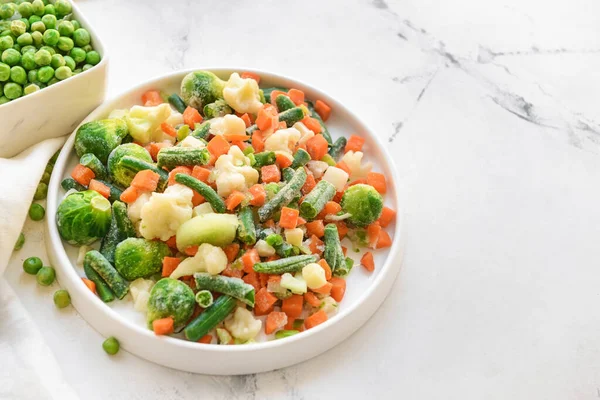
[491,110]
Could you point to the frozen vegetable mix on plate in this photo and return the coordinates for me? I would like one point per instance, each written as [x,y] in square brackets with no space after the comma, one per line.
[223,209]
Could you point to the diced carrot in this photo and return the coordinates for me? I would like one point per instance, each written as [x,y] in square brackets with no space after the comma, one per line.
[297,96]
[326,268]
[218,146]
[246,119]
[212,160]
[354,143]
[145,181]
[331,207]
[344,250]
[338,196]
[311,299]
[313,125]
[172,242]
[377,180]
[231,251]
[90,284]
[263,279]
[232,272]
[191,117]
[238,138]
[373,234]
[206,339]
[266,117]
[316,228]
[250,75]
[343,166]
[154,148]
[163,326]
[339,288]
[259,195]
[301,221]
[323,110]
[316,319]
[82,174]
[234,199]
[201,173]
[178,170]
[168,129]
[387,216]
[281,125]
[325,289]
[282,161]
[367,261]
[250,258]
[316,245]
[275,321]
[316,147]
[152,98]
[384,240]
[358,181]
[191,251]
[264,302]
[289,218]
[258,141]
[100,188]
[273,257]
[197,199]
[269,224]
[275,94]
[270,173]
[129,195]
[309,184]
[342,229]
[274,278]
[169,265]
[242,145]
[292,306]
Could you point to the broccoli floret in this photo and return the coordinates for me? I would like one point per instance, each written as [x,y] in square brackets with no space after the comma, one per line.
[201,88]
[364,203]
[217,109]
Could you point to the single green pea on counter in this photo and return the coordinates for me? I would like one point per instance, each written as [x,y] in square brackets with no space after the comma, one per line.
[44,46]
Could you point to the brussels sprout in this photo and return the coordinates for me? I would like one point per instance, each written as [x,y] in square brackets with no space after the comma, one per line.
[118,173]
[364,203]
[201,88]
[140,258]
[83,217]
[171,298]
[100,137]
[217,109]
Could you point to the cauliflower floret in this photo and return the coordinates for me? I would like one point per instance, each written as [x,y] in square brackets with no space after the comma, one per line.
[317,168]
[165,212]
[305,133]
[353,161]
[192,142]
[143,122]
[209,258]
[337,177]
[283,140]
[140,292]
[233,172]
[329,305]
[314,275]
[134,210]
[204,208]
[229,124]
[242,94]
[243,325]
[264,249]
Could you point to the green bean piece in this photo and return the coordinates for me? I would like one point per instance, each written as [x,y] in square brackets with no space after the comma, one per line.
[206,191]
[234,287]
[137,165]
[177,102]
[201,131]
[287,174]
[301,157]
[333,253]
[283,265]
[315,201]
[267,92]
[246,230]
[70,183]
[329,160]
[264,158]
[204,298]
[284,103]
[62,298]
[120,229]
[182,132]
[20,242]
[115,191]
[92,162]
[290,117]
[111,346]
[345,268]
[104,291]
[171,157]
[337,149]
[107,272]
[45,276]
[210,318]
[284,196]
[285,333]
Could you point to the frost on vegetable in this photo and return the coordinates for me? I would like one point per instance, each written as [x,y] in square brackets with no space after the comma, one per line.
[144,122]
[209,258]
[317,168]
[353,160]
[305,133]
[201,88]
[192,142]
[140,258]
[363,203]
[134,210]
[243,325]
[283,140]
[314,275]
[83,217]
[296,284]
[171,298]
[243,95]
[164,213]
[228,125]
[233,172]
[100,137]
[140,293]
[118,173]
[217,109]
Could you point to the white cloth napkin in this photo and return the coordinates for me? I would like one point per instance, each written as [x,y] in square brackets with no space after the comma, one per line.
[28,368]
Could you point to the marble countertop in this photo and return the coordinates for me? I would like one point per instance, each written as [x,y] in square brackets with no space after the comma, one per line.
[491,112]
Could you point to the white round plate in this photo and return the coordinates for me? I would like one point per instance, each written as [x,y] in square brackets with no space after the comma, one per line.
[364,294]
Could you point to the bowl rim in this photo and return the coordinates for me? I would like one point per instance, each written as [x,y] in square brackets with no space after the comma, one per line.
[71,273]
[98,46]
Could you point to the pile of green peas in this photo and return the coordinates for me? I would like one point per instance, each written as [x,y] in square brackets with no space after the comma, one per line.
[40,45]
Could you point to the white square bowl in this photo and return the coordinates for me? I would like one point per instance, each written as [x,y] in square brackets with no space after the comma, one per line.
[55,110]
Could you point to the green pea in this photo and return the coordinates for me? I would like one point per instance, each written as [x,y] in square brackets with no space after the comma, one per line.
[38,7]
[41,191]
[65,43]
[45,276]
[70,62]
[18,75]
[11,57]
[63,7]
[43,57]
[92,57]
[57,61]
[28,61]
[38,38]
[6,42]
[38,27]
[76,24]
[25,9]
[65,28]
[25,39]
[49,49]
[86,67]
[45,178]
[33,19]
[26,22]
[49,9]
[81,37]
[17,47]
[13,90]
[51,37]
[7,11]
[77,71]
[53,81]
[31,88]
[50,21]
[87,48]
[20,242]
[32,265]
[32,75]
[4,72]
[18,27]
[4,100]
[45,74]
[111,346]
[36,211]
[77,54]
[62,298]
[63,73]
[28,48]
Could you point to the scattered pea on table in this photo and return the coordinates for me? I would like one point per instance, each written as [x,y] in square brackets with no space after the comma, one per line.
[32,265]
[20,242]
[36,212]
[111,346]
[62,298]
[45,276]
